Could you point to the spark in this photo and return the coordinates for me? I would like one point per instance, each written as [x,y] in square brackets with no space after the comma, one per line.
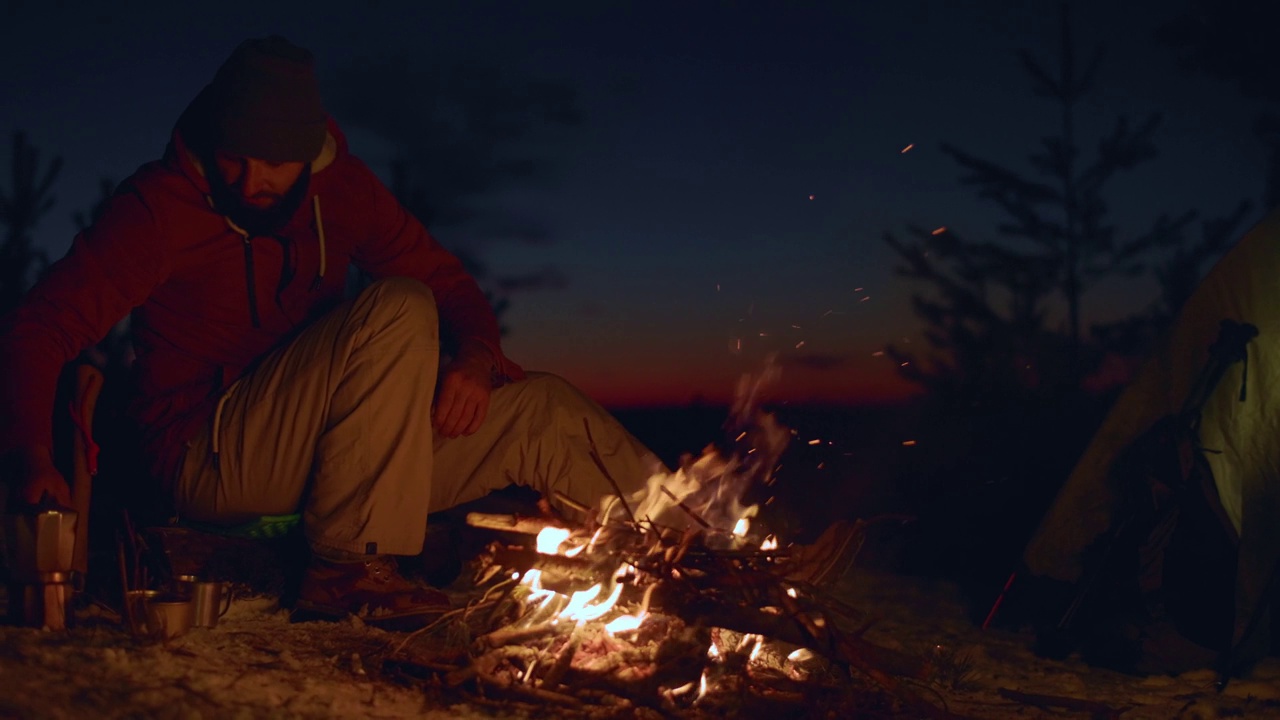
[815,441]
[908,443]
[858,289]
[740,436]
[795,326]
[903,364]
[878,353]
[906,149]
[810,197]
[939,230]
[682,689]
[865,299]
[799,344]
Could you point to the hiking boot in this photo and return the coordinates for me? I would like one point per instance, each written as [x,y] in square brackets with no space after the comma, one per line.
[371,589]
[825,560]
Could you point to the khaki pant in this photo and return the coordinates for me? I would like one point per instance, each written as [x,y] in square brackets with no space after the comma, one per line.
[337,426]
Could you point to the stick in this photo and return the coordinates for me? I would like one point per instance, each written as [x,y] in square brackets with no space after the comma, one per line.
[511,523]
[680,504]
[529,693]
[124,585]
[595,456]
[515,636]
[1066,703]
[570,502]
[563,660]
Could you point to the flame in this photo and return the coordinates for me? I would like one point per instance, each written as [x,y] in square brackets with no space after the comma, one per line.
[741,528]
[682,689]
[702,686]
[550,539]
[791,592]
[799,655]
[578,601]
[755,651]
[770,543]
[593,612]
[625,623]
[713,652]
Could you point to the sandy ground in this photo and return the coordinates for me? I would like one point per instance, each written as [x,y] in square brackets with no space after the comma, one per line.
[256,664]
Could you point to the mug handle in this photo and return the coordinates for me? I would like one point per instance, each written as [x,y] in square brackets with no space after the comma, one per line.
[226,605]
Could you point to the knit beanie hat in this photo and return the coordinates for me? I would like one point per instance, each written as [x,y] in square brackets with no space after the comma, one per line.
[264,102]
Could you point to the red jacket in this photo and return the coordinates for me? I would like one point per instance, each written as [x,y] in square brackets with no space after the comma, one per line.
[207,302]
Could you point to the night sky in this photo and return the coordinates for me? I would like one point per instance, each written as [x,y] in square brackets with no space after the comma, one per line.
[735,169]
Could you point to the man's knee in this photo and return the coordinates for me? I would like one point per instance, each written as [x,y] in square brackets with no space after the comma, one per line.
[400,298]
[552,391]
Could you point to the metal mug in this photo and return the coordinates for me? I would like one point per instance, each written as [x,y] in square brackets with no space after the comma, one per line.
[159,615]
[211,598]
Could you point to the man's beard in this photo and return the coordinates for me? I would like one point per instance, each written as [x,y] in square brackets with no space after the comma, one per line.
[258,222]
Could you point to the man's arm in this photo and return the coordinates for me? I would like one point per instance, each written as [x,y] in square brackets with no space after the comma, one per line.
[110,269]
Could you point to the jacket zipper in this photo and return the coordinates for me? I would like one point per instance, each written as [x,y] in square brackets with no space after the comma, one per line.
[251,287]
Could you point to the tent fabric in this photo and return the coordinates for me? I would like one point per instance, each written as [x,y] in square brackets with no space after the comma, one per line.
[1242,437]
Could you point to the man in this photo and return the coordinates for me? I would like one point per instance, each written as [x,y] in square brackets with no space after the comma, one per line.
[257,388]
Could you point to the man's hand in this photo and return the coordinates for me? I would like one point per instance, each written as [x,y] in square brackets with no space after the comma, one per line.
[35,476]
[463,398]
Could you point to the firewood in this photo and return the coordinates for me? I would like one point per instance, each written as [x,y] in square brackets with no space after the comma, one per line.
[524,692]
[563,660]
[511,523]
[1097,709]
[503,637]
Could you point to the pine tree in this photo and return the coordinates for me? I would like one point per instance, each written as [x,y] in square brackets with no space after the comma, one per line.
[990,320]
[28,198]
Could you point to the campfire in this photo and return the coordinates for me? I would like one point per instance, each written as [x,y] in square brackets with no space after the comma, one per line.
[675,600]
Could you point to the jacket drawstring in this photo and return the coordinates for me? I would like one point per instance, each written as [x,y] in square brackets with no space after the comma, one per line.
[315,208]
[215,432]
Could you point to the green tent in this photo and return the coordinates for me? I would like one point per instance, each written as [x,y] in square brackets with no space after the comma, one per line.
[1239,430]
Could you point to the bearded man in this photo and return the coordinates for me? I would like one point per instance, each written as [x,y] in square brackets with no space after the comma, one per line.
[258,389]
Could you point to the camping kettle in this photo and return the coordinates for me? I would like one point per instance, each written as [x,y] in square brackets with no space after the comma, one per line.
[39,545]
[40,541]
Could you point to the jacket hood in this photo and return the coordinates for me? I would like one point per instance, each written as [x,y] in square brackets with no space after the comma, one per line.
[183,157]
